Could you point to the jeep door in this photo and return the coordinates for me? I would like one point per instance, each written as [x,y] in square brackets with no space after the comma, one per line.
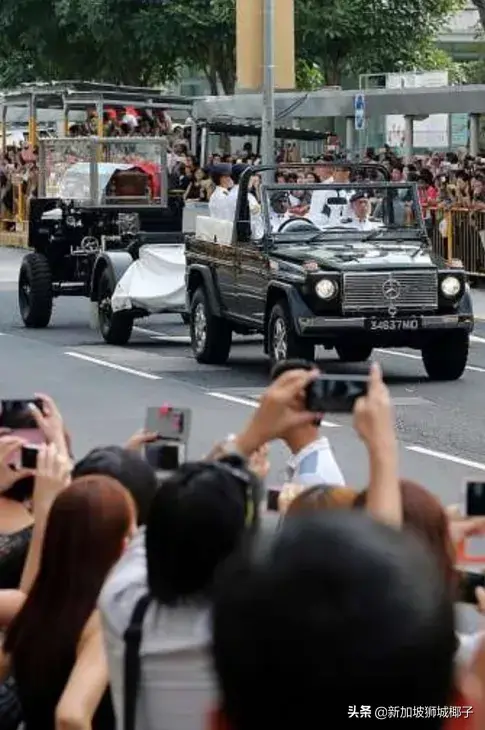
[252,275]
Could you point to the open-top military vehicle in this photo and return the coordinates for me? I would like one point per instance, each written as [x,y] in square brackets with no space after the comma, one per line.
[103,222]
[346,265]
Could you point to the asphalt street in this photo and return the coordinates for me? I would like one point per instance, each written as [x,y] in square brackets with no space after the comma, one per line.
[104,391]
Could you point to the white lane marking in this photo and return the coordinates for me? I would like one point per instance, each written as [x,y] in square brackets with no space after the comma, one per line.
[254,404]
[446,457]
[475,338]
[113,366]
[395,353]
[145,331]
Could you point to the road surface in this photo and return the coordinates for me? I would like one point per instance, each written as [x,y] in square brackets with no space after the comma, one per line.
[104,391]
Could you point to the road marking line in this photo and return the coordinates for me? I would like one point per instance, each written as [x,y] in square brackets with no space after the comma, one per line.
[446,457]
[254,404]
[472,368]
[113,366]
[475,338]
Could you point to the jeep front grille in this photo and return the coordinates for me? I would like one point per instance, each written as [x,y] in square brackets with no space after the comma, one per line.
[373,291]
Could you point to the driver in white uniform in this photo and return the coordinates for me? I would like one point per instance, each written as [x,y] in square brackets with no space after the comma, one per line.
[360,219]
[219,203]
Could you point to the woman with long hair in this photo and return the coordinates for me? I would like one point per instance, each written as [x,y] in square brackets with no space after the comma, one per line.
[54,647]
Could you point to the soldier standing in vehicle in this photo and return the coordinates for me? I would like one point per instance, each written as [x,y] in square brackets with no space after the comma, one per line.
[220,204]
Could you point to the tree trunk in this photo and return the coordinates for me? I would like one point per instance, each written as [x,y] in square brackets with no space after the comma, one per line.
[480,6]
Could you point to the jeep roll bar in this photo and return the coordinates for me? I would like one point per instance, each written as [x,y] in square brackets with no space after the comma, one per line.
[242,229]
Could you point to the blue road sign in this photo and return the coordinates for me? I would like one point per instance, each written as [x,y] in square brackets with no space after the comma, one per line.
[359,112]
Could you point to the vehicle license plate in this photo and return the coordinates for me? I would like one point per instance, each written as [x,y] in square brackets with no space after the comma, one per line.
[393,325]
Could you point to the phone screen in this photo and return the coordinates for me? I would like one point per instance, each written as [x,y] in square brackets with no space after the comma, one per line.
[163,456]
[171,424]
[335,393]
[475,499]
[475,507]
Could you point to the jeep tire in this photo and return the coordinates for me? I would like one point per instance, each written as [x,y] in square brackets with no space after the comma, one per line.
[35,291]
[445,357]
[283,341]
[349,352]
[115,327]
[211,336]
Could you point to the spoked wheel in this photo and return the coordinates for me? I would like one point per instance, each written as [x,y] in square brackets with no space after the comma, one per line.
[211,336]
[115,327]
[283,341]
[35,291]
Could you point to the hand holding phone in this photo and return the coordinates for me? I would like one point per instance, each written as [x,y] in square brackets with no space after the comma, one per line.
[172,426]
[335,393]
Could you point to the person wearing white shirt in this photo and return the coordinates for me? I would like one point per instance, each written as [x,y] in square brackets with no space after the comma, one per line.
[257,224]
[360,220]
[312,461]
[329,206]
[219,203]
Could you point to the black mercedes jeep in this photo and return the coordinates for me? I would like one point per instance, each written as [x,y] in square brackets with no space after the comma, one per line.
[345,265]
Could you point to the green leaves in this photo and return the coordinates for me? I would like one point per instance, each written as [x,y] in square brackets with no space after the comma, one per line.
[149,41]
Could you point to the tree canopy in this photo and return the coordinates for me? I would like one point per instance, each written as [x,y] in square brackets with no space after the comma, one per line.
[149,41]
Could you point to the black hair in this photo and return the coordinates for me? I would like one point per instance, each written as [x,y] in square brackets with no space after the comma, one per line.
[198,517]
[128,468]
[286,366]
[335,606]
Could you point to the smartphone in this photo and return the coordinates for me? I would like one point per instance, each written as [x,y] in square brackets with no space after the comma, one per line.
[475,498]
[469,582]
[473,549]
[29,457]
[171,424]
[272,499]
[335,393]
[164,457]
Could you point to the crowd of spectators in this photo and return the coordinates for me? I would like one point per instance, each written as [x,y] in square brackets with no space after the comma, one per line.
[138,600]
[444,179]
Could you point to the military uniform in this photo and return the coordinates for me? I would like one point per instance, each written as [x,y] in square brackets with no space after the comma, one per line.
[219,203]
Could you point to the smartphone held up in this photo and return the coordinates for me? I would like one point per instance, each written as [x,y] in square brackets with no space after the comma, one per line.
[335,393]
[172,428]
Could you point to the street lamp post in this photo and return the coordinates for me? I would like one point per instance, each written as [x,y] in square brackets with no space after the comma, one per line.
[268,121]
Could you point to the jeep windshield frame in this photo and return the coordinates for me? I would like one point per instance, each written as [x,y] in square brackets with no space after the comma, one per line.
[414,233]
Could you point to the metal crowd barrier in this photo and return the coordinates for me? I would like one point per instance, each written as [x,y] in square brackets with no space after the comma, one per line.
[459,233]
[15,219]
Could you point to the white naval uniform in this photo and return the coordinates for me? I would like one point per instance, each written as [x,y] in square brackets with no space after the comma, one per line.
[220,205]
[361,225]
[257,224]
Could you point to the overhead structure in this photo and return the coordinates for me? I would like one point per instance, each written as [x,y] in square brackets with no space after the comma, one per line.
[68,96]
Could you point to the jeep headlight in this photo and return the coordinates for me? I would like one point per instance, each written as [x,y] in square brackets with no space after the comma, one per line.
[326,288]
[450,286]
[71,221]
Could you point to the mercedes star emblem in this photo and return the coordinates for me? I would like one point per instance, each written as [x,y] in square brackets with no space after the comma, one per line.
[391,289]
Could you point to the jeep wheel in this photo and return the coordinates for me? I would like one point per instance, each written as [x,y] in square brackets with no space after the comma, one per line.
[35,291]
[353,353]
[211,336]
[445,358]
[283,342]
[115,327]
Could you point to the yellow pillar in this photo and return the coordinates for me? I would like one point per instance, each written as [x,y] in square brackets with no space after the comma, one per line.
[250,40]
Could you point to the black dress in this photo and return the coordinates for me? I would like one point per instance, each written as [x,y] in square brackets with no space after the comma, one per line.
[39,699]
[13,553]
